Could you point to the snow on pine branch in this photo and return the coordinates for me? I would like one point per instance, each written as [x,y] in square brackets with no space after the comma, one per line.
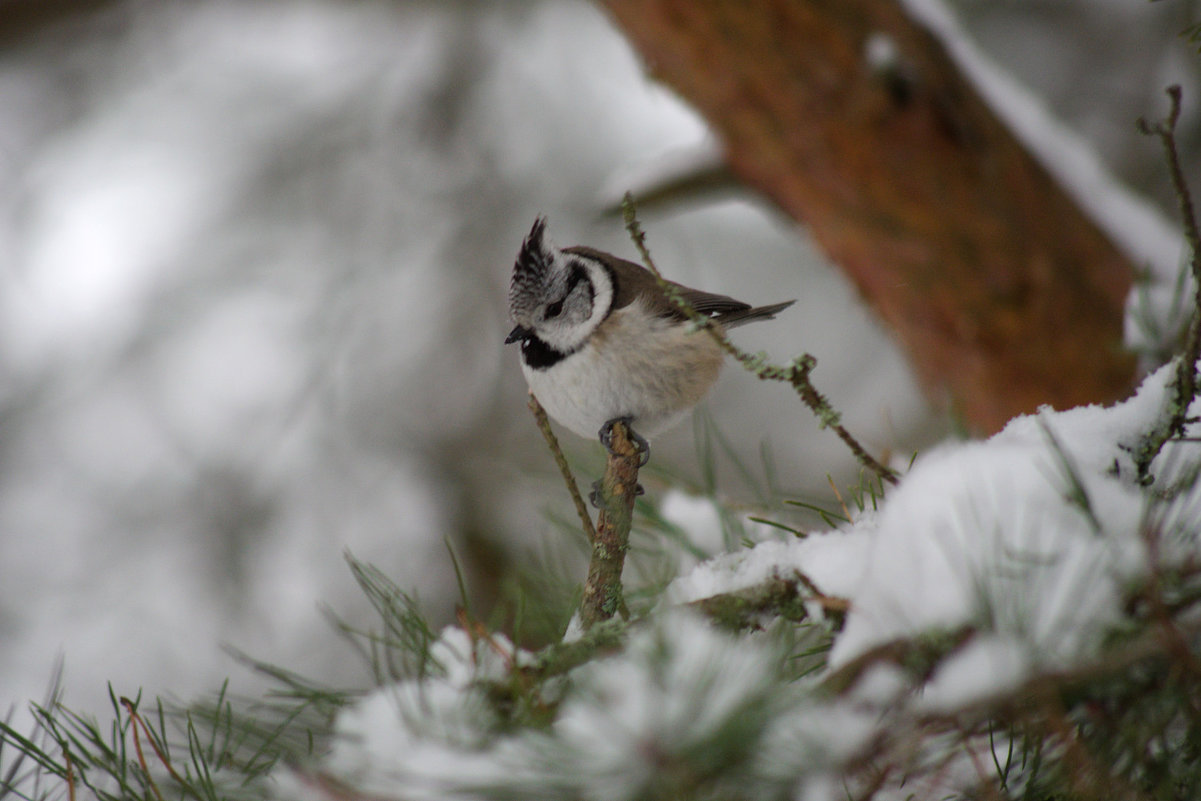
[994,566]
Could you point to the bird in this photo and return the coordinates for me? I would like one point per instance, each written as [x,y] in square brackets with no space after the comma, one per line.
[602,343]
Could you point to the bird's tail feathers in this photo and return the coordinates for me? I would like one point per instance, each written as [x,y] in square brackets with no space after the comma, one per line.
[751,315]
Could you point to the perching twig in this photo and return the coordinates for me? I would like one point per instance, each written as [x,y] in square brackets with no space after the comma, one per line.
[553,442]
[615,497]
[610,538]
[1184,387]
[795,374]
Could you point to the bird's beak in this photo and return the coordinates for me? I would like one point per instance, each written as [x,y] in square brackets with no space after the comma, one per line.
[518,333]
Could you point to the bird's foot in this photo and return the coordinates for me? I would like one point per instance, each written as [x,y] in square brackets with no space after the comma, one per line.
[641,446]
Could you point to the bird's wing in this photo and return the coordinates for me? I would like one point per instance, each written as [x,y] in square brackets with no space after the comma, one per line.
[633,280]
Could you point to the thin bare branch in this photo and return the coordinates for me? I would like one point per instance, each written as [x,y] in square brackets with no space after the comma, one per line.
[1184,387]
[553,443]
[795,374]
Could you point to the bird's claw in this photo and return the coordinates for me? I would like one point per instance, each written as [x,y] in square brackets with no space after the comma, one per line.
[641,446]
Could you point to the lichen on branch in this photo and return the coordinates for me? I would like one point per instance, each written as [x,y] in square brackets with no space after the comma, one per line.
[795,374]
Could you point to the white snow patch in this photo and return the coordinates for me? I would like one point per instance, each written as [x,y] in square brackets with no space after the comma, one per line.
[1029,538]
[430,734]
[696,516]
[677,686]
[986,667]
[818,736]
[1097,438]
[832,560]
[880,685]
[982,534]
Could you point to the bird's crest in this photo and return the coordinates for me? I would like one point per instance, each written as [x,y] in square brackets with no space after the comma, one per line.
[530,271]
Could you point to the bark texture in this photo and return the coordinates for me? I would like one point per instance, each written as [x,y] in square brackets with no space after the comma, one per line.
[616,493]
[1003,293]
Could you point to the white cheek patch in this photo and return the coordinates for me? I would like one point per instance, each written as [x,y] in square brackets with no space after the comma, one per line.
[602,292]
[567,337]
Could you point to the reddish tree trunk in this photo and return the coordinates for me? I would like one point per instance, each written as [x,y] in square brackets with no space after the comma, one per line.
[1003,293]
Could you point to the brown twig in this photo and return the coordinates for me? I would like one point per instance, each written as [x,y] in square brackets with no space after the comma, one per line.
[838,495]
[615,497]
[1174,640]
[135,720]
[795,374]
[1184,387]
[553,442]
[70,776]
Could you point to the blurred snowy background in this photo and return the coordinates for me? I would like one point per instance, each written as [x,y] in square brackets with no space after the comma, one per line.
[255,257]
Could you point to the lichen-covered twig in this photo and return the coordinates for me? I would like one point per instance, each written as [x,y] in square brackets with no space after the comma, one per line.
[610,538]
[1184,386]
[615,496]
[795,374]
[553,443]
[777,596]
[781,596]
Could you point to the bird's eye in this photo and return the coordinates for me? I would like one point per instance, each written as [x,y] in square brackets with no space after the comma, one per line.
[554,309]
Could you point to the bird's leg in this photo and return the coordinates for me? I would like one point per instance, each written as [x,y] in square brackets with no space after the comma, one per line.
[641,447]
[640,444]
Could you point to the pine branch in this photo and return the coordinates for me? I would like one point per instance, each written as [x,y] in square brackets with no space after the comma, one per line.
[136,722]
[795,374]
[615,496]
[917,655]
[610,538]
[1184,387]
[562,657]
[744,609]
